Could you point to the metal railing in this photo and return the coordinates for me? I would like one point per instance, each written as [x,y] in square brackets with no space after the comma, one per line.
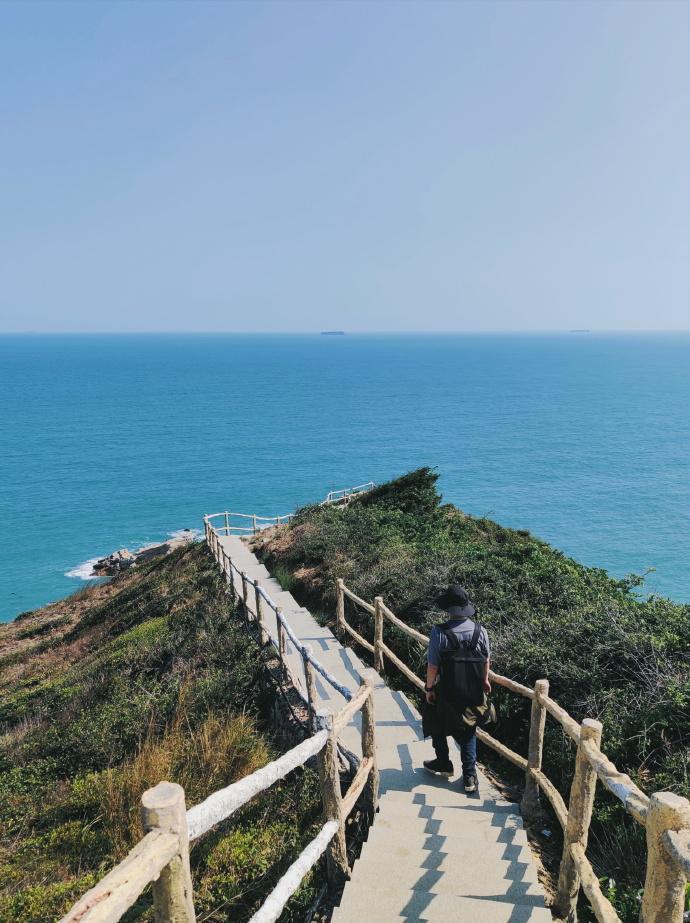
[665,815]
[251,523]
[347,493]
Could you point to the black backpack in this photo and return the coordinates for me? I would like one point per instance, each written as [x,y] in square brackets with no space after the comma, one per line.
[462,668]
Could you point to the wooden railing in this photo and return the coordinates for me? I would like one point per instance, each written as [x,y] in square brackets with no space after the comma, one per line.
[161,858]
[226,523]
[665,816]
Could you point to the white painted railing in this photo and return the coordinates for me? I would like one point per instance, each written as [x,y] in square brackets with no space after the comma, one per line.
[229,523]
[347,493]
[162,856]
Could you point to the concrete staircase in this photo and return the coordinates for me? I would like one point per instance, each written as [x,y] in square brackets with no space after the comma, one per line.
[433,853]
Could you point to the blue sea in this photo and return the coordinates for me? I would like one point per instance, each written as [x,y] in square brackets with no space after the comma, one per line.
[112,441]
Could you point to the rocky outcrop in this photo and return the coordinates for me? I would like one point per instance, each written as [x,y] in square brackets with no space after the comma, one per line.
[119,561]
[114,563]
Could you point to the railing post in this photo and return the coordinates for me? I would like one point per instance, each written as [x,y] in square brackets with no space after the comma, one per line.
[664,891]
[579,817]
[280,631]
[245,590]
[227,523]
[163,808]
[258,603]
[340,609]
[378,634]
[254,524]
[530,798]
[369,745]
[231,580]
[311,689]
[336,854]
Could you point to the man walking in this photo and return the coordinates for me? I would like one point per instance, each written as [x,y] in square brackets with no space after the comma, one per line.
[457,681]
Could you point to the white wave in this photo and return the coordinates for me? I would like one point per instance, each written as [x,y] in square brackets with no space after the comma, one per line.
[191,534]
[84,571]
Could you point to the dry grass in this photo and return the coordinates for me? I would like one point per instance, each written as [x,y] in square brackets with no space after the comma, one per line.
[201,758]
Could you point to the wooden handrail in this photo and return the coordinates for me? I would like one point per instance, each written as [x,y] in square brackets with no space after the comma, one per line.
[511,684]
[345,715]
[501,749]
[559,806]
[357,785]
[358,599]
[569,724]
[601,905]
[406,629]
[161,848]
[358,638]
[224,802]
[108,900]
[618,783]
[668,851]
[404,669]
[273,906]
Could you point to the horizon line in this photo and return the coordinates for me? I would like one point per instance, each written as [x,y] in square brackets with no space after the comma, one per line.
[574,331]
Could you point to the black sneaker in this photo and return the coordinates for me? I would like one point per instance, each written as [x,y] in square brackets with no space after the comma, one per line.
[439,768]
[470,783]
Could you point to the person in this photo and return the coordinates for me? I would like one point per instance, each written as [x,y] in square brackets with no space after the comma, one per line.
[457,675]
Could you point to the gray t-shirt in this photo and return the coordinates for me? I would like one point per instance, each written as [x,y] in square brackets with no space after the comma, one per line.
[464,629]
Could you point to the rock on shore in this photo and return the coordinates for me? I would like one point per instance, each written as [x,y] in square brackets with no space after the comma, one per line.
[121,560]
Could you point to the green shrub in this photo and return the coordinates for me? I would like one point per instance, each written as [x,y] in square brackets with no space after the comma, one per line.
[607,653]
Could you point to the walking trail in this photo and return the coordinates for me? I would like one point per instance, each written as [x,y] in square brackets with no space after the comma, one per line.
[433,853]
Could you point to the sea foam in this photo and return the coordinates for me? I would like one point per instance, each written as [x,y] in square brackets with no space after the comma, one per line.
[191,534]
[83,571]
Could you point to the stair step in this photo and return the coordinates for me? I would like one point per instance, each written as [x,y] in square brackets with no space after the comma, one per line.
[467,879]
[448,796]
[464,809]
[370,903]
[447,822]
[399,861]
[433,836]
[443,852]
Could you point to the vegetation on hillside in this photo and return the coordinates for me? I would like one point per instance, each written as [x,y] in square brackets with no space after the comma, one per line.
[150,677]
[607,653]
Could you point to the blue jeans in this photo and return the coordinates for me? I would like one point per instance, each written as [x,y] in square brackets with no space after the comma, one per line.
[468,750]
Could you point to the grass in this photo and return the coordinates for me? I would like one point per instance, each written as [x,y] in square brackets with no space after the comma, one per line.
[150,677]
[607,652]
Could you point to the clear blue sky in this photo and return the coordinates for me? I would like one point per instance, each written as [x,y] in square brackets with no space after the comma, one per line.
[367,166]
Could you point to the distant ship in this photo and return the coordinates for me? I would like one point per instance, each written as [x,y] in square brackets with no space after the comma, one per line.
[332,333]
[583,330]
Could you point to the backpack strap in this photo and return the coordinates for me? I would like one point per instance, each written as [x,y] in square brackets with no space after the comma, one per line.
[452,638]
[476,634]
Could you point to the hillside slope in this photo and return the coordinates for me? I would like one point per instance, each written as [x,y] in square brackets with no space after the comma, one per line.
[104,694]
[607,653]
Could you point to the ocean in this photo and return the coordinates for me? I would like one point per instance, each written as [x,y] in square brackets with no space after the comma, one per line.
[114,441]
